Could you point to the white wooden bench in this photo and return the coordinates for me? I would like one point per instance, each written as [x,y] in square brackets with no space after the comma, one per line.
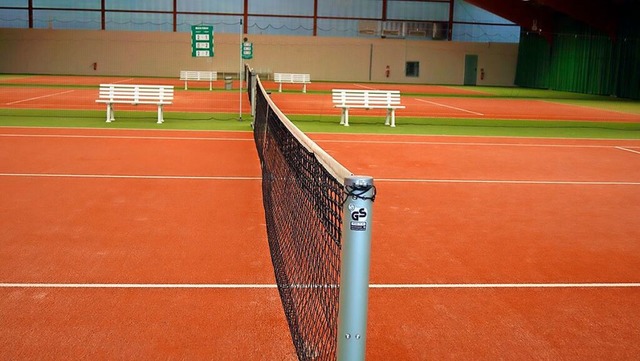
[111,94]
[367,99]
[187,75]
[303,79]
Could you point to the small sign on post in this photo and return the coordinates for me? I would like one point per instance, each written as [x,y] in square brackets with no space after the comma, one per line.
[247,50]
[202,41]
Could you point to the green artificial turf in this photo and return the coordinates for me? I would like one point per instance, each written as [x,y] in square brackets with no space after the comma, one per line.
[125,119]
[324,123]
[472,127]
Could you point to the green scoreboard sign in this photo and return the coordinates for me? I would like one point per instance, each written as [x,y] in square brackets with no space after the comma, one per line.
[201,41]
[247,50]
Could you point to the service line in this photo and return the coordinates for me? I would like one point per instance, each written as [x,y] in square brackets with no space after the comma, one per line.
[628,150]
[40,97]
[81,136]
[125,176]
[372,286]
[448,106]
[508,181]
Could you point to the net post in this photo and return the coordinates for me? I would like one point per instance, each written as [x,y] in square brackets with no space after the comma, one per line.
[252,82]
[354,269]
[240,72]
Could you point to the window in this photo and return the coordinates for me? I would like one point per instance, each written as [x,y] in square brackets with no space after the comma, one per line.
[412,69]
[399,19]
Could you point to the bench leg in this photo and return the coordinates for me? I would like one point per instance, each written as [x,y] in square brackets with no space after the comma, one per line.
[110,113]
[391,118]
[304,88]
[160,114]
[280,88]
[185,85]
[344,119]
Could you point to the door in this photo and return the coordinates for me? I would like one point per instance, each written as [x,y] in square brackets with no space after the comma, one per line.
[470,69]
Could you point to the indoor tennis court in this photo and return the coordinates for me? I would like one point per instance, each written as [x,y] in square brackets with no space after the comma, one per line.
[319,180]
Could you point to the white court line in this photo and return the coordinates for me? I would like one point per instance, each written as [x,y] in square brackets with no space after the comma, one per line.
[396,180]
[448,106]
[628,150]
[493,144]
[122,81]
[505,285]
[363,86]
[120,176]
[118,137]
[497,181]
[270,286]
[40,97]
[475,144]
[134,285]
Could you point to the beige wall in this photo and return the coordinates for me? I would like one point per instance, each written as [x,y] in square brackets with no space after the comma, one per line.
[45,51]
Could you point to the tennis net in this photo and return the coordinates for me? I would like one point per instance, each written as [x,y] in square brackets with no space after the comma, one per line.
[304,195]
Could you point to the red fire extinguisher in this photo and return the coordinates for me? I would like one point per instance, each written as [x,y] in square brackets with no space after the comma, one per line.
[482,74]
[95,66]
[387,71]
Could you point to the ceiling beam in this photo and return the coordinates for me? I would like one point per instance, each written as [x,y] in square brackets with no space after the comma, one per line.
[527,14]
[599,14]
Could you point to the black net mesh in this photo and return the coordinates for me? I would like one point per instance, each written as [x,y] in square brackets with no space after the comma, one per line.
[303,208]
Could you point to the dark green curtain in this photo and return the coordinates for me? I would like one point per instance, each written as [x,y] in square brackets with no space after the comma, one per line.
[627,52]
[532,70]
[582,59]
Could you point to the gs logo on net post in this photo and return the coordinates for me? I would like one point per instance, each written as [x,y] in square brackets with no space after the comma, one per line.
[358,218]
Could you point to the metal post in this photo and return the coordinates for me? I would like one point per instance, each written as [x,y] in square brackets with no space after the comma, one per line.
[354,271]
[241,70]
[252,84]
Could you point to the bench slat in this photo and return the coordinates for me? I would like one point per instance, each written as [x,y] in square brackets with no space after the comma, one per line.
[136,94]
[134,86]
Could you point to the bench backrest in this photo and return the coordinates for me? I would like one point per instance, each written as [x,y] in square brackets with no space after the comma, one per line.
[198,75]
[366,98]
[150,94]
[291,78]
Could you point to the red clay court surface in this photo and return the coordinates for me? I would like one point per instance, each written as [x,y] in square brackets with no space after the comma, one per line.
[219,84]
[131,244]
[299,103]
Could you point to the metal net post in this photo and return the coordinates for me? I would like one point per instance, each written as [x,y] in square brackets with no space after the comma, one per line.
[355,264]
